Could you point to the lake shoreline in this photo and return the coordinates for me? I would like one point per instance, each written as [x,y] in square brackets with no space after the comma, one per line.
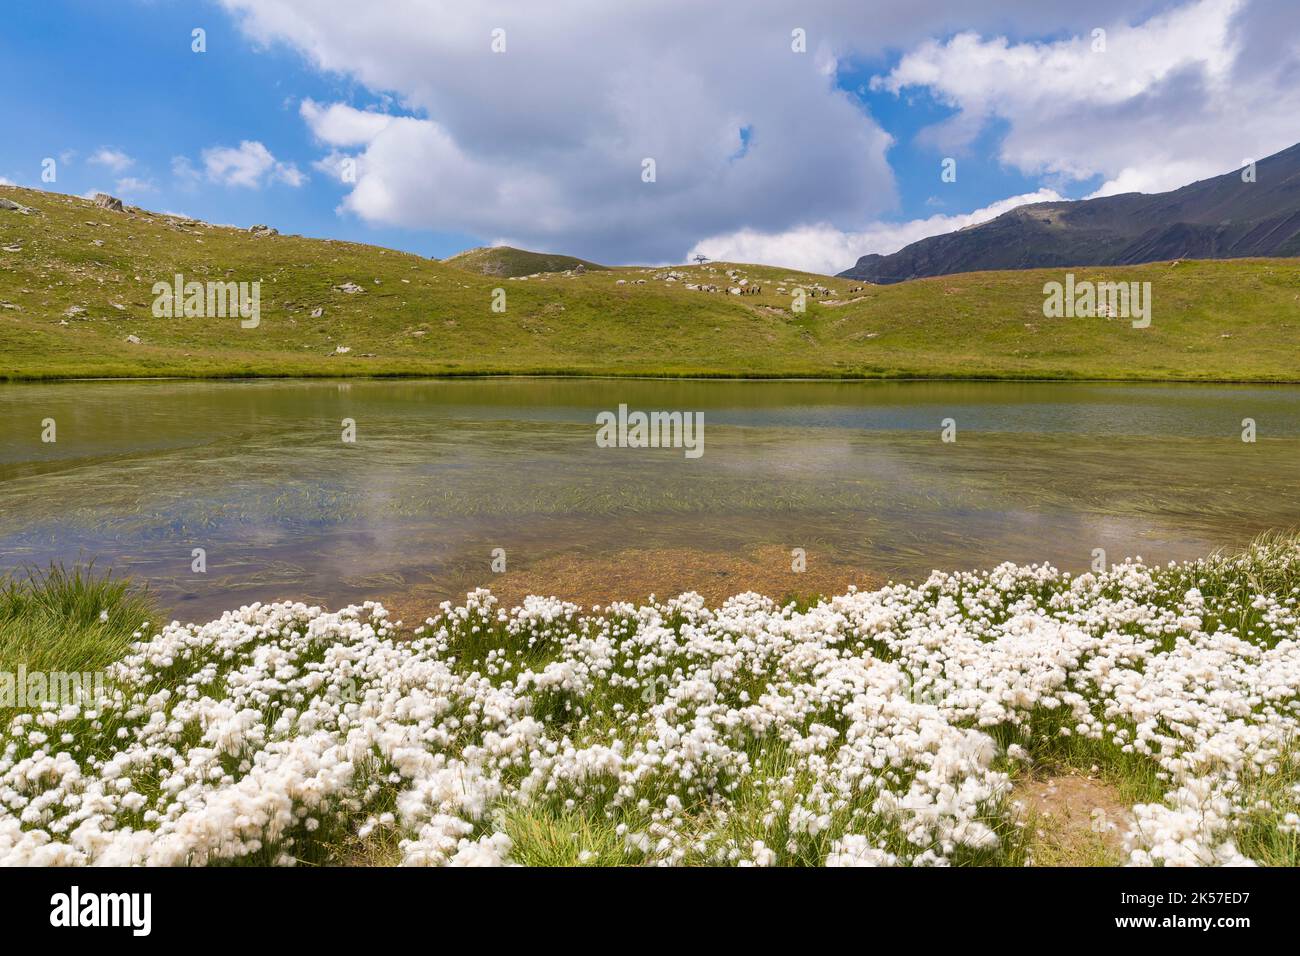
[687,376]
[638,575]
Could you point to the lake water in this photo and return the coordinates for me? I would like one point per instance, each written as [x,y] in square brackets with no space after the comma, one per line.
[443,472]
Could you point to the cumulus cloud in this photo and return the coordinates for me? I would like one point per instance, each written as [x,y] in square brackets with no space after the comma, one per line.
[113,159]
[1147,178]
[543,145]
[184,172]
[4,181]
[825,249]
[249,165]
[340,125]
[133,186]
[1148,107]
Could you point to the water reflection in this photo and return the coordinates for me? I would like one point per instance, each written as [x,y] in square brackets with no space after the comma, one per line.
[445,471]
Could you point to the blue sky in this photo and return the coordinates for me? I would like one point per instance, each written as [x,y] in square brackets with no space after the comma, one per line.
[80,75]
[807,171]
[981,178]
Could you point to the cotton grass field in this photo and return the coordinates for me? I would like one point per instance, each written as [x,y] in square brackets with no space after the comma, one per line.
[888,728]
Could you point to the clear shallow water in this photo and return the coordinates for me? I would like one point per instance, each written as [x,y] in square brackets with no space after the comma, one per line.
[445,471]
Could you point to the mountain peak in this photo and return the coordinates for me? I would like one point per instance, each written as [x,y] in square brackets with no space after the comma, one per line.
[1225,217]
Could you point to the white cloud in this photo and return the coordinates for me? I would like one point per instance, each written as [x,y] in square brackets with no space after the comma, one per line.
[1174,98]
[542,145]
[997,76]
[825,249]
[114,159]
[333,165]
[132,186]
[1158,179]
[289,174]
[340,125]
[249,165]
[184,172]
[7,182]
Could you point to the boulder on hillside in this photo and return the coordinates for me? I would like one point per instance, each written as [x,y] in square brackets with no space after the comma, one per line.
[263,230]
[105,201]
[11,206]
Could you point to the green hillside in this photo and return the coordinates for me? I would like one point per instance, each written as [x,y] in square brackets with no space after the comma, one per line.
[509,262]
[76,297]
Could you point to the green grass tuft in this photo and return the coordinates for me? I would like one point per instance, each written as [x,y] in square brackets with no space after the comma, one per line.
[68,620]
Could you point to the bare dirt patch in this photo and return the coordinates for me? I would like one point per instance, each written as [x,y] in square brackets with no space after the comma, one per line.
[636,573]
[1075,819]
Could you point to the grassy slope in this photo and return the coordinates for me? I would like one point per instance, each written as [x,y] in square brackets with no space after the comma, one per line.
[507,261]
[1237,320]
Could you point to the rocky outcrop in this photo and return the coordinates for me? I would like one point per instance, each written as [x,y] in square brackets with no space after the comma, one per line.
[9,205]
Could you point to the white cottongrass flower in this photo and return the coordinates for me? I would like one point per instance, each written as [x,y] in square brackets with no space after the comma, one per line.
[874,729]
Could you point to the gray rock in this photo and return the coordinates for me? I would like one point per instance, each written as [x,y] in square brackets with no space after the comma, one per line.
[11,206]
[133,339]
[317,313]
[260,231]
[105,201]
[351,288]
